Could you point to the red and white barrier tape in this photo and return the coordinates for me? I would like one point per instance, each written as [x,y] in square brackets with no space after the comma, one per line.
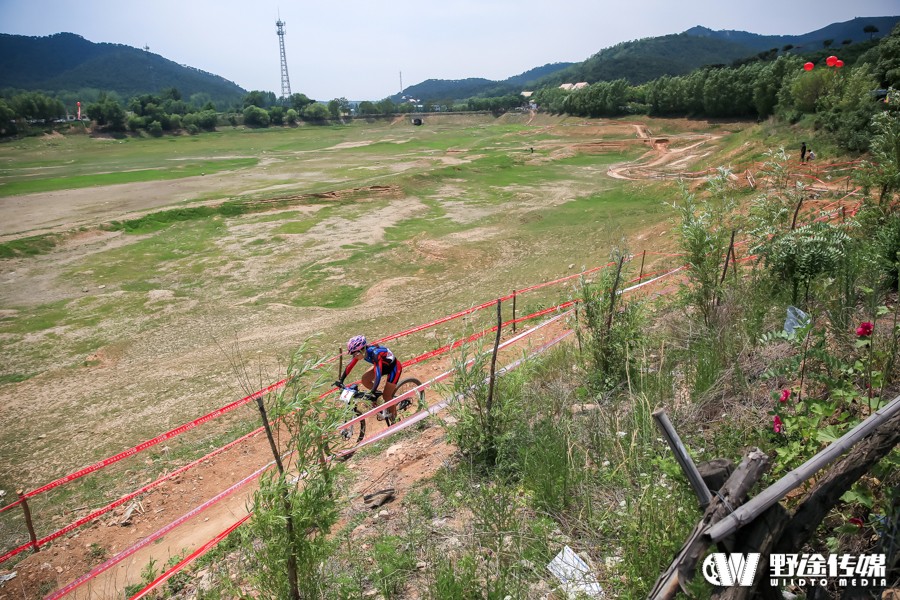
[195,511]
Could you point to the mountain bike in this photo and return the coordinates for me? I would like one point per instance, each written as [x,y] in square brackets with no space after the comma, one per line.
[360,401]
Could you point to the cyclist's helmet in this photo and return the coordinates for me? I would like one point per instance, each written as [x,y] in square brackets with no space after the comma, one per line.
[356,343]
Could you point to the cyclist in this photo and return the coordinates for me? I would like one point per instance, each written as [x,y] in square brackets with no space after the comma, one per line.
[383,362]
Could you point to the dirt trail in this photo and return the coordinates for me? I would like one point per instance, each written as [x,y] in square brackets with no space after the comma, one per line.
[407,460]
[668,158]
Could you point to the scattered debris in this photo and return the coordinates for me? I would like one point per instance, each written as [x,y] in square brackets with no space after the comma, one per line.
[575,575]
[126,518]
[6,577]
[379,498]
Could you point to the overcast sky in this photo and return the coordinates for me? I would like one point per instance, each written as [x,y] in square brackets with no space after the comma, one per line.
[357,50]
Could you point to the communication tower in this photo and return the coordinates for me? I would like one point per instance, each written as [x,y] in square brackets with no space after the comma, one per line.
[285,80]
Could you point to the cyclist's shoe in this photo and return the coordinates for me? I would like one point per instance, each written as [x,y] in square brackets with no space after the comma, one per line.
[347,433]
[381,416]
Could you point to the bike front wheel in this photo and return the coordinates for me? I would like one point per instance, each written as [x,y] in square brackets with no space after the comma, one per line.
[349,438]
[413,404]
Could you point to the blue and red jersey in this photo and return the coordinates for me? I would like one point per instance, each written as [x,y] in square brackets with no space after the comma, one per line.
[382,359]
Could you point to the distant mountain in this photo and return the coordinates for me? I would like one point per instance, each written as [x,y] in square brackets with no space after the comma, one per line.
[445,89]
[646,59]
[65,62]
[853,30]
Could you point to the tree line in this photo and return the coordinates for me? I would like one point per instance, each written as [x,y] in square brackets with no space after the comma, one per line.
[841,100]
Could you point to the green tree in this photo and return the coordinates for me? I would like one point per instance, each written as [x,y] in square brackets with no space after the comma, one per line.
[256,116]
[334,109]
[299,101]
[136,123]
[799,256]
[258,99]
[7,116]
[807,87]
[366,108]
[883,171]
[170,93]
[315,112]
[846,108]
[887,64]
[385,107]
[200,100]
[107,112]
[36,106]
[276,115]
[871,30]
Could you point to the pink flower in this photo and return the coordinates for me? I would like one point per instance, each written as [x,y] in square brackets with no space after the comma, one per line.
[777,425]
[865,329]
[856,521]
[785,394]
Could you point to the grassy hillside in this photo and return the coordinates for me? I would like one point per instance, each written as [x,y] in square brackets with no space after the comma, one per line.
[158,302]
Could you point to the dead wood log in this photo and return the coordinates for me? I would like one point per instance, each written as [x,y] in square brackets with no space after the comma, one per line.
[760,536]
[732,494]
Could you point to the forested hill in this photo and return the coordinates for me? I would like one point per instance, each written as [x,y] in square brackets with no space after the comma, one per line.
[854,31]
[65,62]
[646,59]
[448,90]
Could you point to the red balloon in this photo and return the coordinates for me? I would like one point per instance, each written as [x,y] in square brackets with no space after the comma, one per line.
[839,63]
[808,66]
[831,60]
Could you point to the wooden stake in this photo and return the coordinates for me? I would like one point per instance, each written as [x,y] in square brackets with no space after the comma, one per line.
[727,258]
[514,311]
[577,329]
[265,420]
[490,398]
[683,458]
[28,522]
[612,298]
[340,361]
[796,212]
[641,274]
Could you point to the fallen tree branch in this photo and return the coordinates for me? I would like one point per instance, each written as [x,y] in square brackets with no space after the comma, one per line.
[732,494]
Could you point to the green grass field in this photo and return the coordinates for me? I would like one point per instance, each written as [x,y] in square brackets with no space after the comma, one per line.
[142,315]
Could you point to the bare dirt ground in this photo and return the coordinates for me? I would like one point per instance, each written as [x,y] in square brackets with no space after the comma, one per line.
[183,352]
